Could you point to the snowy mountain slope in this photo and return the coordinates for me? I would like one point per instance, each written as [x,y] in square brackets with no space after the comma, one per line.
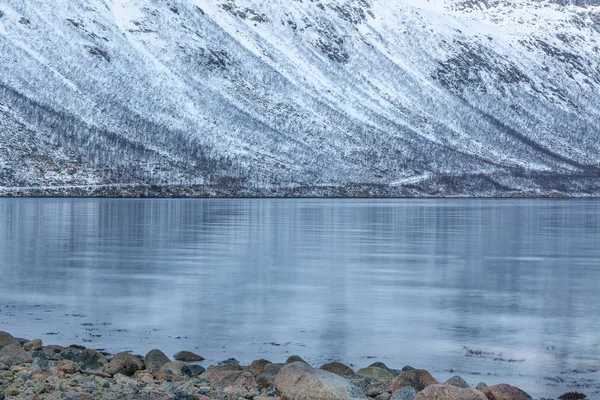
[410,97]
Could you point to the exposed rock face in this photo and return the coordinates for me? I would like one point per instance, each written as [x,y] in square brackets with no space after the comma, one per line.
[416,378]
[338,369]
[449,392]
[155,359]
[505,392]
[299,381]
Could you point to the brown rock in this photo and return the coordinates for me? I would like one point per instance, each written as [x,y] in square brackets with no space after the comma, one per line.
[34,345]
[68,367]
[299,381]
[123,363]
[188,356]
[14,354]
[449,392]
[416,378]
[292,359]
[258,366]
[338,368]
[222,376]
[505,392]
[244,386]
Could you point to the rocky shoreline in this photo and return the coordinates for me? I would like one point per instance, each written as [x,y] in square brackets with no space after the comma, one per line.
[34,371]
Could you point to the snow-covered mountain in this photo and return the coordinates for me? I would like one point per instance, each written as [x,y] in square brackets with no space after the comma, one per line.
[301,97]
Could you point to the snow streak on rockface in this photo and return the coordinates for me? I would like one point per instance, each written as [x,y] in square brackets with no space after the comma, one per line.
[354,97]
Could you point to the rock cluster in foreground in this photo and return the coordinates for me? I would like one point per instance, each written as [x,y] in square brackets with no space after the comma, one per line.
[30,370]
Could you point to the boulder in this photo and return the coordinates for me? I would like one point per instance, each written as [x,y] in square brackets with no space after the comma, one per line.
[292,359]
[244,386]
[376,372]
[222,376]
[338,369]
[188,356]
[155,359]
[407,393]
[52,352]
[68,367]
[457,381]
[505,392]
[14,354]
[91,360]
[229,361]
[123,363]
[175,371]
[299,381]
[379,388]
[407,368]
[258,366]
[34,345]
[449,392]
[481,386]
[196,369]
[379,364]
[6,339]
[267,378]
[416,378]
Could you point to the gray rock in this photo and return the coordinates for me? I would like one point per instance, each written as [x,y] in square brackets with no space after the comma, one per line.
[89,359]
[229,361]
[196,369]
[6,339]
[407,393]
[298,381]
[155,359]
[14,354]
[174,371]
[458,382]
[123,363]
[416,378]
[34,345]
[188,356]
[481,386]
[407,368]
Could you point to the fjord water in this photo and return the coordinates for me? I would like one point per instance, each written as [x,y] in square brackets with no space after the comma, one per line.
[493,290]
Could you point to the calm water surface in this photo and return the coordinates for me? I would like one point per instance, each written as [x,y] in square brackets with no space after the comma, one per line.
[493,290]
